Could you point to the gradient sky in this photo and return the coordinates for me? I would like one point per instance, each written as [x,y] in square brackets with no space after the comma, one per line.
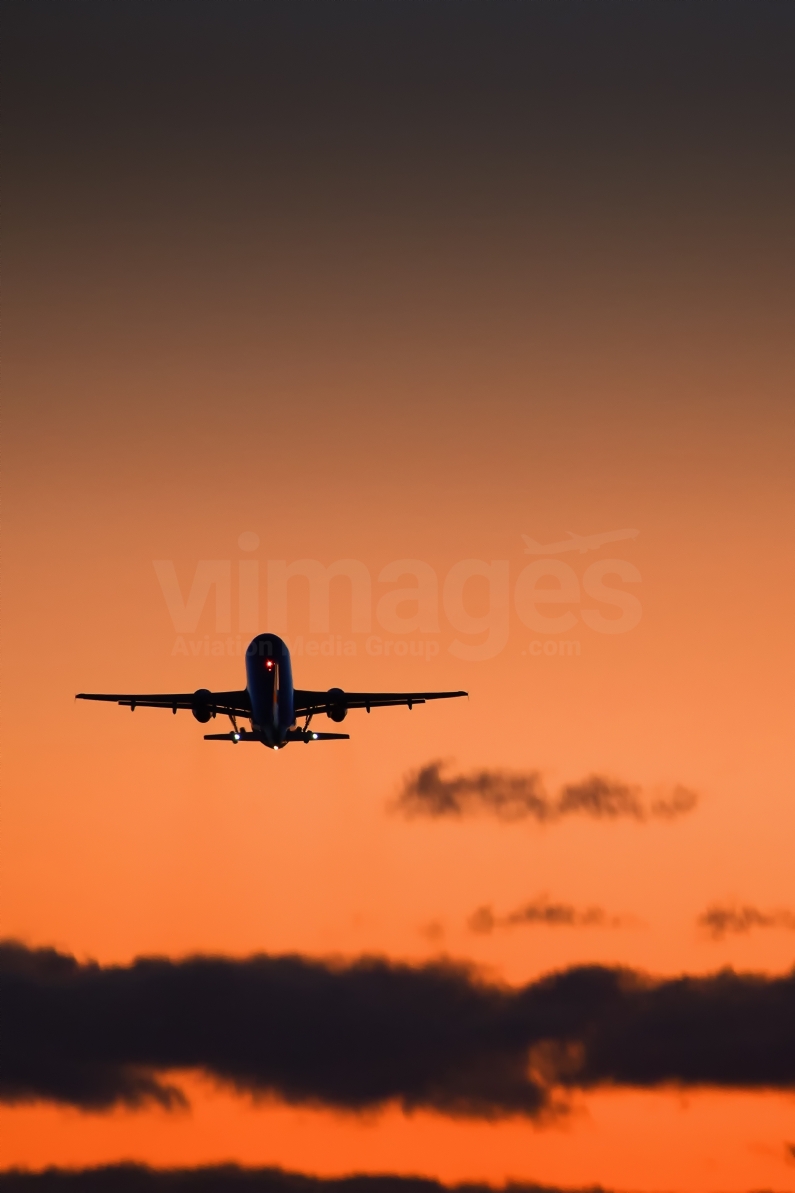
[381,281]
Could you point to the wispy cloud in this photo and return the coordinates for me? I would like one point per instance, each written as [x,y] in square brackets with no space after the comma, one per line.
[512,796]
[542,911]
[362,1035]
[737,920]
[433,931]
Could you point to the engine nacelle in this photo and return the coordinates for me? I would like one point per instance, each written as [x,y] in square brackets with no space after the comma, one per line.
[201,708]
[336,705]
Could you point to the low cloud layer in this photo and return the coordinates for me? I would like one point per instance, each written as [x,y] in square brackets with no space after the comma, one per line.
[361,1035]
[230,1178]
[733,920]
[542,911]
[512,796]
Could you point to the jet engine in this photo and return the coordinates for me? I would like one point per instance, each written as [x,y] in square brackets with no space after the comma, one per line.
[336,704]
[201,705]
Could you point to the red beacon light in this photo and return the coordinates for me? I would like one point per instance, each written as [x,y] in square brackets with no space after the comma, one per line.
[269,664]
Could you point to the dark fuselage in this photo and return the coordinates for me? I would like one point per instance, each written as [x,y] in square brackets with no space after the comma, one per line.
[269,680]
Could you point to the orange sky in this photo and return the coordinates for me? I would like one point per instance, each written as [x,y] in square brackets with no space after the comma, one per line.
[380,385]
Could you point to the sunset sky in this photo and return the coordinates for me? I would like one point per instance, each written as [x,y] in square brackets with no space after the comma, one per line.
[384,281]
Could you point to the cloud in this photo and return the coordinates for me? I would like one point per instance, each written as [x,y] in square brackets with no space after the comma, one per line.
[541,911]
[722,921]
[680,801]
[512,796]
[433,931]
[353,1037]
[358,1036]
[231,1178]
[426,792]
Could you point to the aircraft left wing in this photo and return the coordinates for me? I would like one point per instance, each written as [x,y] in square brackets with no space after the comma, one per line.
[335,701]
[236,703]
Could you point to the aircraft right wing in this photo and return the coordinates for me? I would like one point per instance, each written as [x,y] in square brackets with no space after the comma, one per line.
[307,702]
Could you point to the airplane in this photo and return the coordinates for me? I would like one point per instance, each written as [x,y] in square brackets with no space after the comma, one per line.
[577,542]
[270,702]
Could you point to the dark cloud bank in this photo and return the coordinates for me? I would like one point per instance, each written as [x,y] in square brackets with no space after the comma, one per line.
[360,1035]
[229,1178]
[511,795]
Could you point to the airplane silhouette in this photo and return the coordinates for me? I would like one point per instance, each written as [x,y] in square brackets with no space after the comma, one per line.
[269,701]
[577,542]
